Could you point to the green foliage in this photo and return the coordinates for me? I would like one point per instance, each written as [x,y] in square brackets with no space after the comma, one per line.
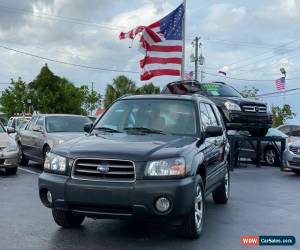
[148,89]
[122,85]
[49,94]
[280,115]
[14,98]
[249,92]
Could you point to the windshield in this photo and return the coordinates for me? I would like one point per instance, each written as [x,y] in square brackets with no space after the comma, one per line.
[216,89]
[275,132]
[177,117]
[66,123]
[2,129]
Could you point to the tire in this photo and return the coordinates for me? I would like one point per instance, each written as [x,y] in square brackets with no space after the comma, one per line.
[296,171]
[191,228]
[271,156]
[67,219]
[11,171]
[221,193]
[259,132]
[23,161]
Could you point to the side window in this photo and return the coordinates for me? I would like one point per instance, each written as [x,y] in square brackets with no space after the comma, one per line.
[296,132]
[212,116]
[286,130]
[40,122]
[208,117]
[31,123]
[219,117]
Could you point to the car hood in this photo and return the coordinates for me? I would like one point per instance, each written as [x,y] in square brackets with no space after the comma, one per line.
[4,138]
[127,147]
[66,136]
[237,100]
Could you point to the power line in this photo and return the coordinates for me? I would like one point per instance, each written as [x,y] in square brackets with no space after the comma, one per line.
[58,18]
[250,80]
[238,43]
[67,63]
[281,92]
[272,96]
[265,53]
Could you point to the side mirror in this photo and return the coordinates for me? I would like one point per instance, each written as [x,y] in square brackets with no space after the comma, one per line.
[87,127]
[37,129]
[213,131]
[10,130]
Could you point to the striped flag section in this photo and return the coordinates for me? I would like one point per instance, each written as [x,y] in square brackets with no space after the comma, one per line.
[280,83]
[161,42]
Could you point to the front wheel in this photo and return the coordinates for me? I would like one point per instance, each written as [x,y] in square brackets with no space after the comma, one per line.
[258,132]
[23,161]
[67,219]
[193,224]
[271,157]
[11,171]
[221,193]
[296,171]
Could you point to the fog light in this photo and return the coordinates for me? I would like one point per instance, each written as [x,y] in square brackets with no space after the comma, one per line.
[162,204]
[49,197]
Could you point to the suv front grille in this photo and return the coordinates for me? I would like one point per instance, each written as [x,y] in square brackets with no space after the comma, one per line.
[104,170]
[255,108]
[295,150]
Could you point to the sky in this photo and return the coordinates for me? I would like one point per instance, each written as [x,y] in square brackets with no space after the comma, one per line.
[249,39]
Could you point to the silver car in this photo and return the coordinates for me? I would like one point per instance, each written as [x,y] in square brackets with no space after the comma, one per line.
[292,131]
[9,152]
[293,157]
[43,132]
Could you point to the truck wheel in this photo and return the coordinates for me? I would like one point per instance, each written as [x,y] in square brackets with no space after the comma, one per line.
[193,223]
[258,132]
[11,171]
[23,161]
[67,219]
[221,193]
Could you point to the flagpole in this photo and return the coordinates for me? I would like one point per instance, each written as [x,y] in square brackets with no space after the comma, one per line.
[183,41]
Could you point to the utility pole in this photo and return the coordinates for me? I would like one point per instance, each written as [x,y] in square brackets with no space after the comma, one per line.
[195,57]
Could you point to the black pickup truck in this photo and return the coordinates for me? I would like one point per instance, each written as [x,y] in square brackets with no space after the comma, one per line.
[238,113]
[154,157]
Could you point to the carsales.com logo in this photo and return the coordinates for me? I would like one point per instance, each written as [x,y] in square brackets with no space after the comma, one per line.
[251,240]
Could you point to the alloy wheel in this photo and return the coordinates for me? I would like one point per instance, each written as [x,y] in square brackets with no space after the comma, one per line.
[198,208]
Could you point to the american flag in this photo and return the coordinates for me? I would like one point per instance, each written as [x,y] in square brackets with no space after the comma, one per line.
[188,75]
[280,83]
[162,44]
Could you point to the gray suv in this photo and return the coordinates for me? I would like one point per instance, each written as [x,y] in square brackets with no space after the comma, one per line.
[43,132]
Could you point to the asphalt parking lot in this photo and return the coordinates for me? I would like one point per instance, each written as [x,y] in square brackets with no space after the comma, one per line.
[263,201]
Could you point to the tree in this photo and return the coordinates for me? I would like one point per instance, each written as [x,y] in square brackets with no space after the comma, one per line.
[14,98]
[249,93]
[121,86]
[280,115]
[148,89]
[53,94]
[91,98]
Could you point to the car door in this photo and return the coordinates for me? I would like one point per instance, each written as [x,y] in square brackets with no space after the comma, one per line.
[38,138]
[26,137]
[214,145]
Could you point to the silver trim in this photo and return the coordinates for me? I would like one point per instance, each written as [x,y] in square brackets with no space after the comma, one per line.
[254,108]
[101,159]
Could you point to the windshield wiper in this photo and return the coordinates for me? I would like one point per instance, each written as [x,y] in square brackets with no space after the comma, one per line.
[109,130]
[145,130]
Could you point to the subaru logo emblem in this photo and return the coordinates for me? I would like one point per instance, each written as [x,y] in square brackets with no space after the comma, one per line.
[103,169]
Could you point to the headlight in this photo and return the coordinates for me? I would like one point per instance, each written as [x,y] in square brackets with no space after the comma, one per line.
[12,146]
[166,167]
[232,106]
[55,163]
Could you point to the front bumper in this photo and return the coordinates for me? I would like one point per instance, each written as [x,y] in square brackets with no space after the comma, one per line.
[238,120]
[99,199]
[292,160]
[9,159]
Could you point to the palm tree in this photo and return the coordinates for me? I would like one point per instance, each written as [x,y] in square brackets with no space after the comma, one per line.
[121,86]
